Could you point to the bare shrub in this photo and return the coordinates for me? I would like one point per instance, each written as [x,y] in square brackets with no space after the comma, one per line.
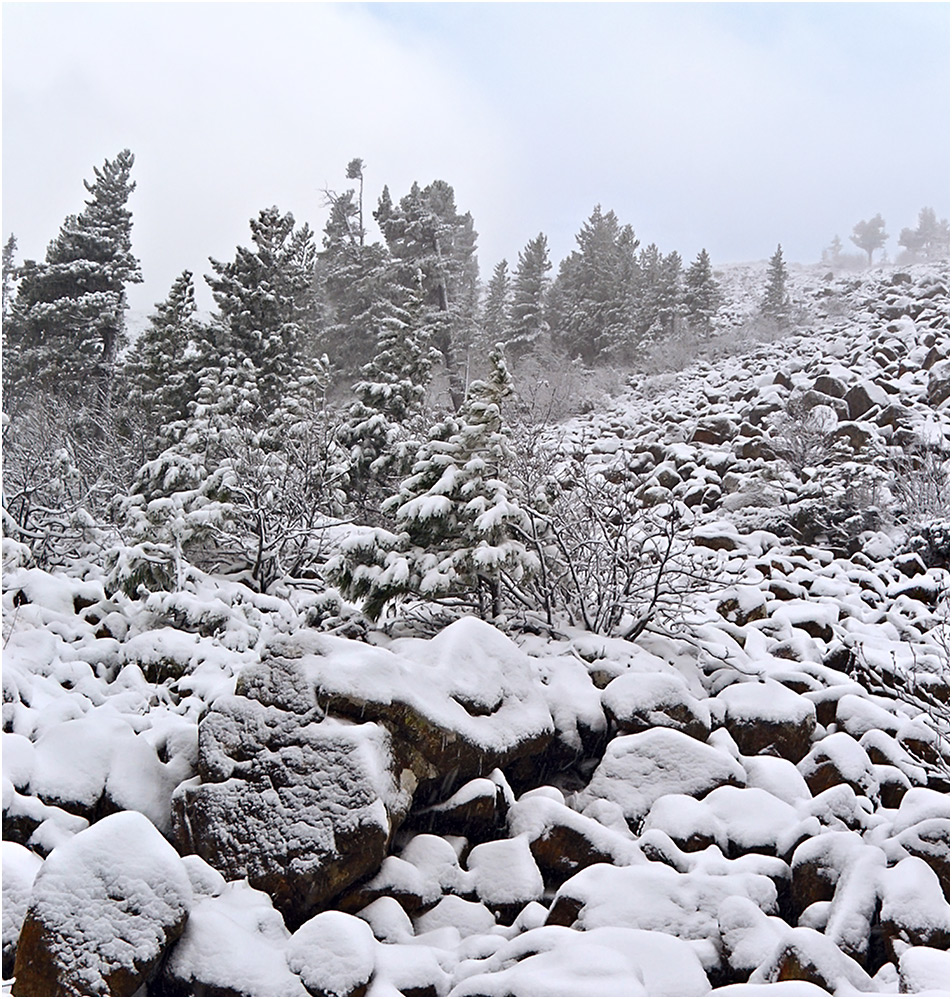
[608,562]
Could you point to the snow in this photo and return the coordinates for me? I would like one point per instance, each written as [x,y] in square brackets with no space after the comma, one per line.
[766,702]
[636,770]
[108,897]
[504,872]
[19,870]
[924,971]
[234,941]
[333,953]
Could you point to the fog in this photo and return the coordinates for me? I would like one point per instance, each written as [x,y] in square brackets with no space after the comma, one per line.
[732,127]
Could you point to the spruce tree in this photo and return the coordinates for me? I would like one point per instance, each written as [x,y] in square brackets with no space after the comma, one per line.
[701,295]
[593,312]
[527,319]
[68,325]
[160,382]
[456,525]
[495,312]
[265,301]
[776,301]
[9,273]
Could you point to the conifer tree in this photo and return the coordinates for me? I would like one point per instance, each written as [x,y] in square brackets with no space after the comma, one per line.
[9,273]
[870,235]
[595,295]
[701,295]
[265,302]
[527,319]
[435,245]
[776,301]
[68,324]
[456,524]
[495,313]
[159,380]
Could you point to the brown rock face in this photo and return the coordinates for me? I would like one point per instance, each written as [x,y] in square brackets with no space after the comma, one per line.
[105,907]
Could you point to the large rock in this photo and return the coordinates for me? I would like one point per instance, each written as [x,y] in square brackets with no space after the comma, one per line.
[638,769]
[768,718]
[300,806]
[639,701]
[19,870]
[305,804]
[458,705]
[104,908]
[863,396]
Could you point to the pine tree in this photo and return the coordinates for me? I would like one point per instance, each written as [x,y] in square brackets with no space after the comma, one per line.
[456,524]
[701,295]
[68,324]
[265,301]
[527,319]
[776,302]
[379,429]
[160,374]
[435,245]
[593,307]
[870,235]
[9,273]
[357,285]
[930,238]
[495,312]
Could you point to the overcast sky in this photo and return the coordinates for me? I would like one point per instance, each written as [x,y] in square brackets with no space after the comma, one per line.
[728,126]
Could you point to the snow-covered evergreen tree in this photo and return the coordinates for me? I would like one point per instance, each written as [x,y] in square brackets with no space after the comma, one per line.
[435,245]
[265,301]
[593,308]
[456,525]
[159,379]
[495,311]
[9,273]
[776,301]
[701,295]
[67,325]
[527,319]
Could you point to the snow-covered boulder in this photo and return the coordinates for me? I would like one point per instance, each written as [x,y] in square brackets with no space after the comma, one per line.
[914,910]
[638,701]
[19,870]
[302,807]
[505,875]
[924,970]
[333,954]
[839,759]
[768,718]
[458,705]
[638,769]
[104,908]
[234,944]
[805,955]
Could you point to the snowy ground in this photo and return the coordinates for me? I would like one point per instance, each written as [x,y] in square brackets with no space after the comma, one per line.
[754,805]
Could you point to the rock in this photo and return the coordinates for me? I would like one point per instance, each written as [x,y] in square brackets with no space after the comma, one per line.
[715,430]
[477,811]
[937,390]
[233,945]
[839,759]
[768,718]
[104,908]
[636,770]
[803,955]
[914,911]
[562,841]
[301,808]
[638,701]
[459,705]
[742,604]
[923,970]
[857,435]
[19,870]
[505,876]
[928,840]
[862,397]
[817,864]
[830,386]
[333,954]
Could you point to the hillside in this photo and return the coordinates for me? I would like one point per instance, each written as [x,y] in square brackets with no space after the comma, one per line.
[217,791]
